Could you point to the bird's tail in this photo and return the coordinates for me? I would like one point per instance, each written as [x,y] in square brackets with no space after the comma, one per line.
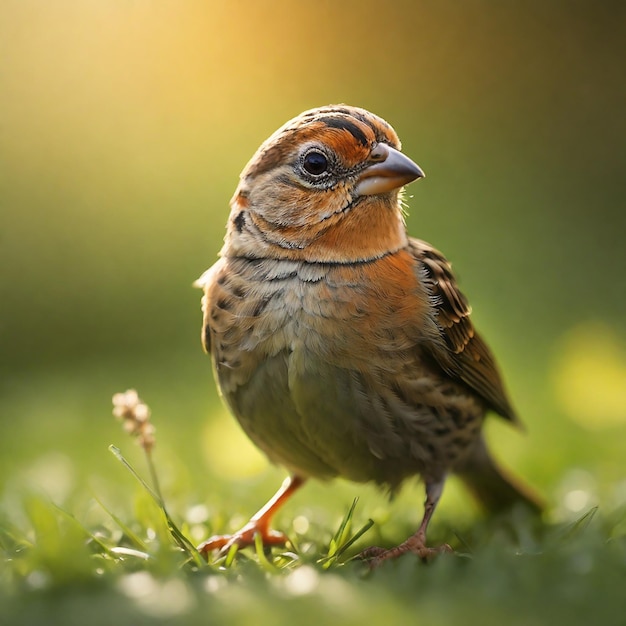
[493,487]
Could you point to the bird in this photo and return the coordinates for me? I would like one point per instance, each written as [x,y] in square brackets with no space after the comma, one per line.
[342,345]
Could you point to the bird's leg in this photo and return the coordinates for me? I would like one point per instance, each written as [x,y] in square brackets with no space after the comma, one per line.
[416,543]
[258,524]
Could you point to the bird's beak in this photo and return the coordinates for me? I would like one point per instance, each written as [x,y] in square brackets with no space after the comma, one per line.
[389,169]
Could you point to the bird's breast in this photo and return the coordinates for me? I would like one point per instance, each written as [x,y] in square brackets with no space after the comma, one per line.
[342,314]
[306,356]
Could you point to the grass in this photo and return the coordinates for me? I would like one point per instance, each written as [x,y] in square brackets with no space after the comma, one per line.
[102,559]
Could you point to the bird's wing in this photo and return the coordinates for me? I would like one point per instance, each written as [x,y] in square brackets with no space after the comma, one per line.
[465,355]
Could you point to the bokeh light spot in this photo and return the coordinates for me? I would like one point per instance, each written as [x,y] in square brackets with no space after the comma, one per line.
[576,500]
[301,525]
[302,581]
[589,376]
[228,451]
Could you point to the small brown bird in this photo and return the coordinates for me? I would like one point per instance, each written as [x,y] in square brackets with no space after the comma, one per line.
[343,346]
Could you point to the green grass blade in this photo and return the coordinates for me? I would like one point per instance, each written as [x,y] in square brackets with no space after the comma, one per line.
[116,452]
[78,524]
[128,532]
[176,533]
[343,538]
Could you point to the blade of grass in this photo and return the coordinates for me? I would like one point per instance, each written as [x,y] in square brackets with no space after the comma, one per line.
[330,560]
[342,539]
[87,532]
[580,525]
[260,553]
[116,452]
[177,535]
[134,537]
[344,528]
[232,553]
[12,535]
[122,551]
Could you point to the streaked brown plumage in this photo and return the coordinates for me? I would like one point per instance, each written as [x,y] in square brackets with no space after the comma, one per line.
[342,346]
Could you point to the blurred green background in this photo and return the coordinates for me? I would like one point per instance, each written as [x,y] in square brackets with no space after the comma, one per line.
[124,126]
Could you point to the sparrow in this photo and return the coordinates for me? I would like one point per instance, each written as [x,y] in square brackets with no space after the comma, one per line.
[343,346]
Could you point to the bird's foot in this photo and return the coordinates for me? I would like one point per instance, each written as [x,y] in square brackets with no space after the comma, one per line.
[258,526]
[375,556]
[243,538]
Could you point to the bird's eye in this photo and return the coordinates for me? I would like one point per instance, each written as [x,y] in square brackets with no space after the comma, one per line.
[315,163]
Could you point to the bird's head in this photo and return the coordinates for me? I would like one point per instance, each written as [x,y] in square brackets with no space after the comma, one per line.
[325,188]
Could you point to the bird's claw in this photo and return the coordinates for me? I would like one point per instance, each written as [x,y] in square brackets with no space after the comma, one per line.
[243,538]
[375,556]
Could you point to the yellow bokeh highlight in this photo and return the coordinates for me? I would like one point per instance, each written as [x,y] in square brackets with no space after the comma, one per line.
[589,376]
[227,450]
